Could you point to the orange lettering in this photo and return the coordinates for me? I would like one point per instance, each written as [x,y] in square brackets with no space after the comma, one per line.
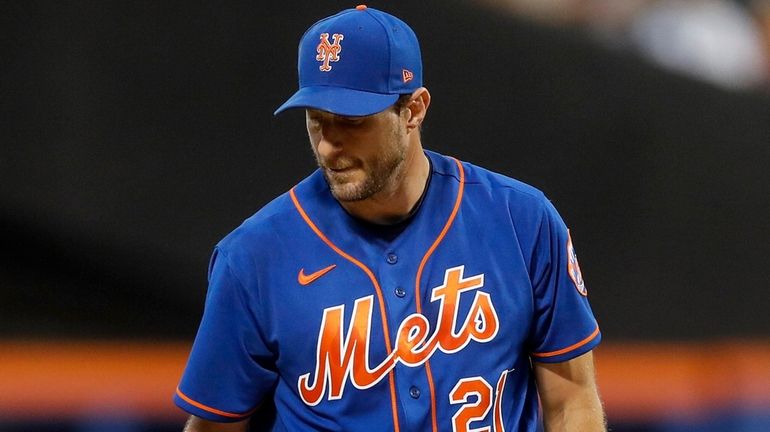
[411,335]
[449,294]
[471,411]
[332,365]
[499,426]
[339,357]
[486,323]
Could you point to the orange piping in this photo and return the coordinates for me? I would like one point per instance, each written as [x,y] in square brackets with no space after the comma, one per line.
[430,251]
[377,289]
[210,409]
[569,348]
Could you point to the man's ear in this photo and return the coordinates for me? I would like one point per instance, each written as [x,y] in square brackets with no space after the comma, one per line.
[417,108]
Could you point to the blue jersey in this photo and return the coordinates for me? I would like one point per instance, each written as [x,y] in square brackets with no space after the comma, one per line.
[348,327]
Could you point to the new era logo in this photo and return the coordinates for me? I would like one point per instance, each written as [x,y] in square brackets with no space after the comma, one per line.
[407,75]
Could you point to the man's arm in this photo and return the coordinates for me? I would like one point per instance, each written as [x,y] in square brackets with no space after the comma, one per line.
[197,424]
[569,395]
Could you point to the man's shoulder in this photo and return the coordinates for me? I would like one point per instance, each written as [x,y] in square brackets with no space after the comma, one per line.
[271,222]
[259,226]
[481,181]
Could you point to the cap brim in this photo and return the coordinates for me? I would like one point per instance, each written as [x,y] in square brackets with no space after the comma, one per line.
[340,101]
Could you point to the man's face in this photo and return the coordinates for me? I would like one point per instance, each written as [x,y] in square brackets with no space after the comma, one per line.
[359,156]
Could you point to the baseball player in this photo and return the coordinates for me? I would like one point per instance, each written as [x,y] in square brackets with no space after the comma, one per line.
[394,289]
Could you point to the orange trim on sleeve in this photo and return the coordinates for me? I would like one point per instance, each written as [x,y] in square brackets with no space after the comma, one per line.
[430,251]
[569,348]
[210,409]
[378,291]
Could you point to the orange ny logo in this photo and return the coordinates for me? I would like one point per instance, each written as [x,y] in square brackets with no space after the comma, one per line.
[328,52]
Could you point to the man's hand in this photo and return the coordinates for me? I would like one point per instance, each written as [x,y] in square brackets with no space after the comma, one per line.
[569,395]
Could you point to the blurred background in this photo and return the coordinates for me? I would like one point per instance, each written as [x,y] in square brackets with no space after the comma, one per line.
[134,135]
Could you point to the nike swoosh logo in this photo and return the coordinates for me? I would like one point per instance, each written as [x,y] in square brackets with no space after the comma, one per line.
[304,279]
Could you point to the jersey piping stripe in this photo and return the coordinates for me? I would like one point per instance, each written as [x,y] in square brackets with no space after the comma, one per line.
[362,266]
[210,409]
[569,348]
[430,251]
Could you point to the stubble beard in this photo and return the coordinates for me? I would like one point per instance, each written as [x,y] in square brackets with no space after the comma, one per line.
[385,170]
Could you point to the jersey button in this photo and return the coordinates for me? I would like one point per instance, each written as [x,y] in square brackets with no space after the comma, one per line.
[414,392]
[400,292]
[392,258]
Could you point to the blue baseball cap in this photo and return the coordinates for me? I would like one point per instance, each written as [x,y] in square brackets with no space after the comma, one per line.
[356,63]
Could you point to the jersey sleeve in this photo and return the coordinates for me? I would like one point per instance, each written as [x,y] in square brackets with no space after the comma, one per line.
[564,325]
[229,370]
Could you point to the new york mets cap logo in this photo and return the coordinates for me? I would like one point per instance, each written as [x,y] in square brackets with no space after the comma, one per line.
[574,268]
[329,52]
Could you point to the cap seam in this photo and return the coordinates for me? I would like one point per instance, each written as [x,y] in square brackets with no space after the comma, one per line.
[390,53]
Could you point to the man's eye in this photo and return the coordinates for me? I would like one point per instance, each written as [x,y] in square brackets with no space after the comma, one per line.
[353,121]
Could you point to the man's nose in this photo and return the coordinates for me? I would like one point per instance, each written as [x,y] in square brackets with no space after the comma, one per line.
[331,139]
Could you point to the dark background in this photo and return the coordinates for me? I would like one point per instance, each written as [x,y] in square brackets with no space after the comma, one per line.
[134,135]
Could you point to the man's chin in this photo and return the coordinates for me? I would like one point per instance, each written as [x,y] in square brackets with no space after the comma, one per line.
[347,194]
[349,191]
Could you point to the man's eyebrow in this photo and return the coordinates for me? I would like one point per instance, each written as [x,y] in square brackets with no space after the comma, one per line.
[319,114]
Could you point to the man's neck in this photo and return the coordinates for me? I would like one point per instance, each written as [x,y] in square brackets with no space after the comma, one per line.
[395,203]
